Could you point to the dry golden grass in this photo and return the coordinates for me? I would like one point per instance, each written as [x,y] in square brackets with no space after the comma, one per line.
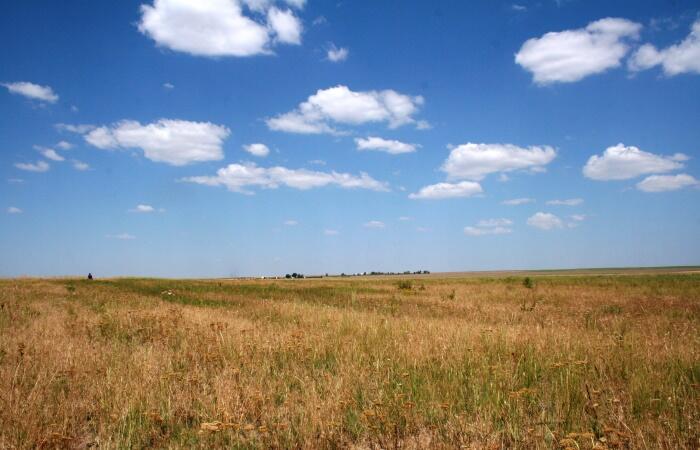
[598,362]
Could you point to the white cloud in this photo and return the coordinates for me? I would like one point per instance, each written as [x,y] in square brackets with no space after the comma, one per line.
[474,231]
[239,177]
[63,145]
[81,166]
[545,221]
[15,180]
[494,223]
[79,129]
[374,224]
[33,91]
[285,25]
[622,163]
[331,232]
[404,218]
[385,145]
[665,183]
[168,86]
[40,166]
[519,8]
[517,201]
[578,217]
[121,236]
[205,28]
[448,190]
[336,54]
[175,142]
[475,161]
[317,162]
[216,28]
[340,105]
[143,209]
[260,150]
[423,125]
[14,210]
[49,153]
[675,59]
[570,55]
[568,202]
[291,223]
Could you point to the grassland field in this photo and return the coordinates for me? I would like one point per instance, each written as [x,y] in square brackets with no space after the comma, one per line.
[571,360]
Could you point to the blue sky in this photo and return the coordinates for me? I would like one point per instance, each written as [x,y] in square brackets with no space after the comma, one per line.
[270,136]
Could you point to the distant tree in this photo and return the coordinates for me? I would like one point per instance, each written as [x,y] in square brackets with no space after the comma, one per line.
[288,276]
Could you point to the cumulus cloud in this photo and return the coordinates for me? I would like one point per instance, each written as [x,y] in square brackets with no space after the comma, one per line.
[174,142]
[568,202]
[665,183]
[168,86]
[260,150]
[14,210]
[40,166]
[683,57]
[474,161]
[622,162]
[240,177]
[336,54]
[340,105]
[49,153]
[374,224]
[63,145]
[218,27]
[291,223]
[578,217]
[545,221]
[384,145]
[517,201]
[33,91]
[285,25]
[570,55]
[448,190]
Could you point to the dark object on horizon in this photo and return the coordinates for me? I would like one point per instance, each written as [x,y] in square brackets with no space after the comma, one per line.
[89,276]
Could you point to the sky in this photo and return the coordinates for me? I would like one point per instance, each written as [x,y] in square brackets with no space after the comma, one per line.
[226,138]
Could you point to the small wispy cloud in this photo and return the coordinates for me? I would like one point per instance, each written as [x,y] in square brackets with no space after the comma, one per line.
[49,153]
[81,166]
[121,236]
[568,202]
[374,224]
[291,223]
[336,54]
[40,166]
[331,232]
[14,210]
[517,201]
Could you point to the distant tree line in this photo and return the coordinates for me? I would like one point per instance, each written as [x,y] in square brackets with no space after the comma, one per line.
[407,272]
[358,274]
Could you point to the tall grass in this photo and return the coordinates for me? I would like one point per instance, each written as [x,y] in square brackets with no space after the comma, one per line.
[600,362]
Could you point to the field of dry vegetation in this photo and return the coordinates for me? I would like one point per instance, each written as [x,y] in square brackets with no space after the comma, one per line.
[574,362]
